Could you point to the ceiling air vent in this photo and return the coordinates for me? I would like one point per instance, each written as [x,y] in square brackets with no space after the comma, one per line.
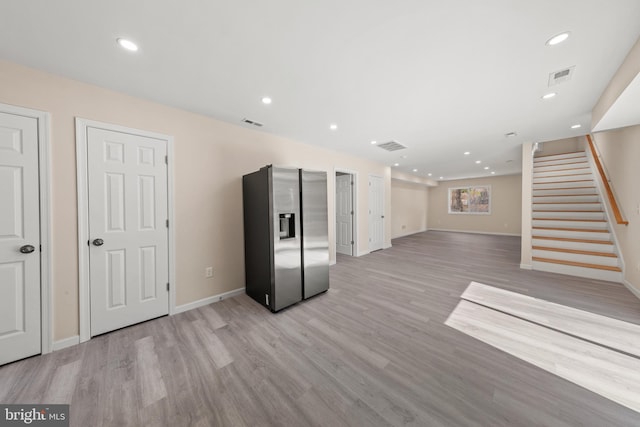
[561,76]
[392,146]
[252,122]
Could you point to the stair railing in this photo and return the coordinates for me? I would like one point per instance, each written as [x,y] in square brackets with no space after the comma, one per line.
[605,182]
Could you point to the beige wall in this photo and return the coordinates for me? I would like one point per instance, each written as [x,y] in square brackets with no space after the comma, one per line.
[620,152]
[506,207]
[561,146]
[210,159]
[408,208]
[626,73]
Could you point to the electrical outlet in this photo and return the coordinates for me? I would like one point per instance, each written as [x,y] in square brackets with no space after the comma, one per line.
[208,272]
[404,226]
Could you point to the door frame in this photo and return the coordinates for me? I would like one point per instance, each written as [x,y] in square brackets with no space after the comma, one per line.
[354,194]
[84,294]
[44,170]
[383,212]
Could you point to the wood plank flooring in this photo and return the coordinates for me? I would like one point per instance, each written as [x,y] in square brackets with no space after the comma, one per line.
[372,351]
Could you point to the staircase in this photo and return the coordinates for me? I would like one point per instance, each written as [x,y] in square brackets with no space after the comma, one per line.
[570,232]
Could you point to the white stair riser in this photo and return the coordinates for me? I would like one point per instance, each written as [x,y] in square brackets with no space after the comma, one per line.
[567,207]
[552,192]
[569,215]
[565,199]
[596,247]
[569,224]
[564,179]
[563,185]
[559,173]
[589,273]
[572,234]
[577,164]
[565,256]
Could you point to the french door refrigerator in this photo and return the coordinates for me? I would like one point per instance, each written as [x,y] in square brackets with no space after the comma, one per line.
[286,242]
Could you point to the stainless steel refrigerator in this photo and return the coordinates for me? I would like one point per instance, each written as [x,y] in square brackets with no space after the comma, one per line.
[286,242]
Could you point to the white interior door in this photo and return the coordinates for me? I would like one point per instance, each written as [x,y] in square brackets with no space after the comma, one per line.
[19,238]
[376,213]
[344,214]
[128,231]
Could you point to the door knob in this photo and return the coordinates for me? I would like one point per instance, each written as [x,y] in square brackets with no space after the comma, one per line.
[27,249]
[98,242]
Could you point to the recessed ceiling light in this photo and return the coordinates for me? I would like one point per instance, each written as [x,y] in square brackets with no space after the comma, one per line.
[429,174]
[486,168]
[549,95]
[466,153]
[333,126]
[493,173]
[442,177]
[557,39]
[396,164]
[374,142]
[478,162]
[127,44]
[576,126]
[266,100]
[415,170]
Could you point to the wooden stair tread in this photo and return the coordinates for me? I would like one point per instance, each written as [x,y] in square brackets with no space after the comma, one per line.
[542,165]
[560,188]
[588,230]
[545,210]
[569,219]
[560,176]
[564,203]
[568,239]
[578,264]
[561,154]
[567,195]
[575,251]
[559,182]
[558,170]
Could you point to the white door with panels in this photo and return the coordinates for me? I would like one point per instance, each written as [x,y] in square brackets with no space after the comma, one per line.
[20,322]
[344,214]
[376,213]
[128,228]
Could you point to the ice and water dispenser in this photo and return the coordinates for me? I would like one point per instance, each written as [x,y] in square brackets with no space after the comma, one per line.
[287,226]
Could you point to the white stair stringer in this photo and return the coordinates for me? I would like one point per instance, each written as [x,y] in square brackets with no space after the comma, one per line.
[570,232]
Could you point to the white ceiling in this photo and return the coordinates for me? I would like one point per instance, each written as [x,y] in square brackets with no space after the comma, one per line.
[440,77]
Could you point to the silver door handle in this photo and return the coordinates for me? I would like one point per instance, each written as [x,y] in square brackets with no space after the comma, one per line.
[381,216]
[27,249]
[98,242]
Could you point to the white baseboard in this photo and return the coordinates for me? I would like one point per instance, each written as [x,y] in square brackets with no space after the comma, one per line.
[475,232]
[386,246]
[362,253]
[67,342]
[409,233]
[634,290]
[206,301]
[332,263]
[526,266]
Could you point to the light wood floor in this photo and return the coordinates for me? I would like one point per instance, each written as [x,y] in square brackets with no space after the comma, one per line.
[373,351]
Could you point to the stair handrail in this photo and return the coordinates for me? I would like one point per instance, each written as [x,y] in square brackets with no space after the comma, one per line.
[605,182]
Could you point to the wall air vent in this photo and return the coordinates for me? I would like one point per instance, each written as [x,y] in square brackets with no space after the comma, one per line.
[252,122]
[561,76]
[392,146]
